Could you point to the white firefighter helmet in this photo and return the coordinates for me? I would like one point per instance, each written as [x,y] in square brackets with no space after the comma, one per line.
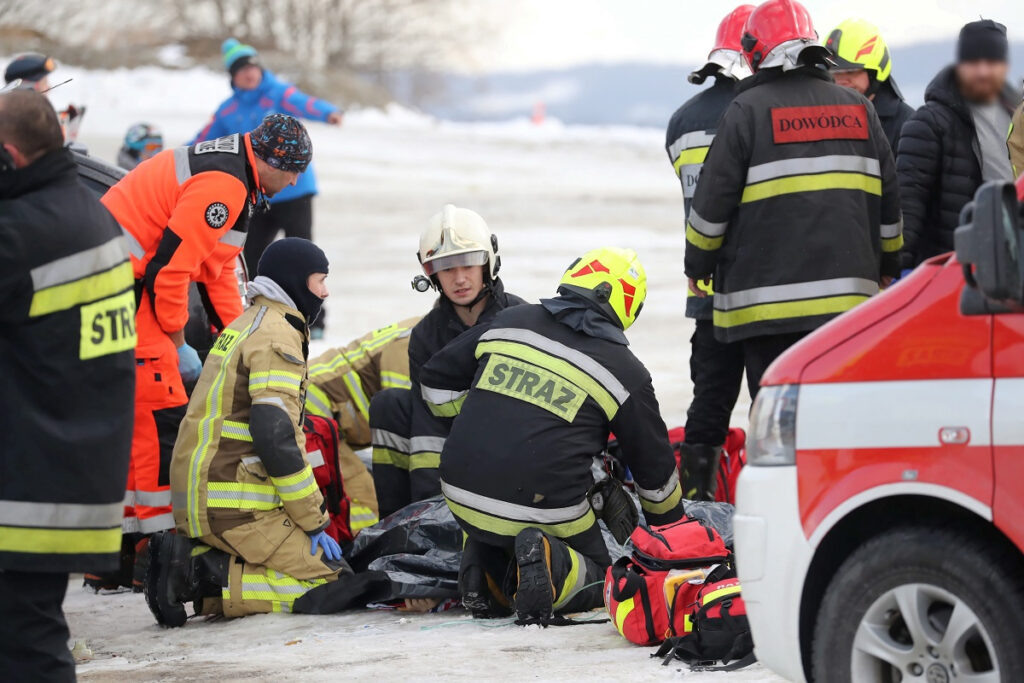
[458,237]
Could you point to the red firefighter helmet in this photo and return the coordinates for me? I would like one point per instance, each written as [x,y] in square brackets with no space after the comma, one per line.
[772,24]
[730,31]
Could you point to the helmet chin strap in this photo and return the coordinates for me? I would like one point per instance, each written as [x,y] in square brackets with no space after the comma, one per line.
[484,292]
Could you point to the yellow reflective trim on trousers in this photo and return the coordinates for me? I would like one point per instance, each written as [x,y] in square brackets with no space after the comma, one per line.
[701,242]
[557,365]
[892,244]
[789,309]
[424,460]
[721,593]
[317,401]
[621,612]
[664,506]
[568,586]
[386,456]
[694,155]
[226,346]
[90,288]
[508,527]
[450,409]
[35,540]
[812,183]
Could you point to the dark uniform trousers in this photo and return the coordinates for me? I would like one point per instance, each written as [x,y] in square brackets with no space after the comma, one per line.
[33,633]
[760,352]
[716,369]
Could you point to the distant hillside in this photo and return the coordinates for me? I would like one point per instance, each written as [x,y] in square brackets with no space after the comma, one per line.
[631,93]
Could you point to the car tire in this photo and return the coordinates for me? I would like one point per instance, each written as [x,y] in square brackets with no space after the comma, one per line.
[966,595]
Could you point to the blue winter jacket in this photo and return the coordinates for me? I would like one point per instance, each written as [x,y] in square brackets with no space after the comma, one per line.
[245,110]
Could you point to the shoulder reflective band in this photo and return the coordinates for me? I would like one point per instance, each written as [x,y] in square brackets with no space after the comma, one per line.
[802,299]
[532,384]
[89,275]
[811,174]
[108,326]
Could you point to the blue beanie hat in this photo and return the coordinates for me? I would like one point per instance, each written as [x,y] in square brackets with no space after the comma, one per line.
[236,55]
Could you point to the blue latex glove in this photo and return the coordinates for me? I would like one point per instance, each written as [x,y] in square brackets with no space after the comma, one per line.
[189,364]
[332,551]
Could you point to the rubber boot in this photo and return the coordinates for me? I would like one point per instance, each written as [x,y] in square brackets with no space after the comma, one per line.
[700,470]
[481,594]
[181,572]
[535,590]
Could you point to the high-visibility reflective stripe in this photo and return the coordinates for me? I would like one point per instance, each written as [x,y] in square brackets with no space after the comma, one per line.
[440,396]
[426,443]
[130,525]
[705,227]
[296,486]
[276,379]
[394,380]
[663,506]
[182,169]
[234,238]
[242,495]
[721,593]
[80,264]
[424,461]
[812,183]
[508,510]
[386,456]
[573,583]
[91,288]
[355,390]
[271,586]
[893,244]
[317,401]
[315,458]
[578,377]
[134,247]
[797,290]
[363,349]
[361,517]
[791,309]
[382,437]
[659,494]
[235,430]
[151,525]
[696,138]
[35,540]
[811,165]
[505,527]
[690,157]
[60,515]
[447,409]
[153,499]
[700,241]
[891,230]
[623,610]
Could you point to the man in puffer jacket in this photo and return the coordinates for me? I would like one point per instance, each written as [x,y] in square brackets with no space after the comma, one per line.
[955,142]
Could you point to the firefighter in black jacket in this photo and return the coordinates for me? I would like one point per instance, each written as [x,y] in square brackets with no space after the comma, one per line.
[797,211]
[459,256]
[715,368]
[537,393]
[67,341]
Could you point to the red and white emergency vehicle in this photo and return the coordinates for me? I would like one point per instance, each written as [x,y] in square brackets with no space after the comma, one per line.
[880,520]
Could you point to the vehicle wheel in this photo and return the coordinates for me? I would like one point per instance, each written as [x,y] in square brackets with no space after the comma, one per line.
[922,604]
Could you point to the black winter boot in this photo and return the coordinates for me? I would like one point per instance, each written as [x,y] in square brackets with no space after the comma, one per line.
[700,470]
[181,572]
[535,592]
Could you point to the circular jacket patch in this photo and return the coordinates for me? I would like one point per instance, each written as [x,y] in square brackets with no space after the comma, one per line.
[216,215]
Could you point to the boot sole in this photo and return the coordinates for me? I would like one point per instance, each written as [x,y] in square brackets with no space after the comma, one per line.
[535,592]
[157,585]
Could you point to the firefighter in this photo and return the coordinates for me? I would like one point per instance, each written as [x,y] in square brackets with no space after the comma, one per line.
[716,368]
[243,489]
[66,339]
[185,213]
[861,60]
[342,381]
[537,393]
[459,256]
[797,211]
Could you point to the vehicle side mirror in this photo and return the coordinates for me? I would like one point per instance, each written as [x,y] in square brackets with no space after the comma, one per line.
[989,245]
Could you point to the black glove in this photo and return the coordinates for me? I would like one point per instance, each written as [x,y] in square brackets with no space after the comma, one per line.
[614,506]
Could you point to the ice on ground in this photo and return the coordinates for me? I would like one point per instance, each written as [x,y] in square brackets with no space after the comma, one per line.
[549,192]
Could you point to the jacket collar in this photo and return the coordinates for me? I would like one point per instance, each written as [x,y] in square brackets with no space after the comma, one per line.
[58,166]
[291,314]
[253,96]
[886,102]
[774,74]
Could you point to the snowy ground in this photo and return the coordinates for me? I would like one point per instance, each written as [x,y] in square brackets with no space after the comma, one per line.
[549,193]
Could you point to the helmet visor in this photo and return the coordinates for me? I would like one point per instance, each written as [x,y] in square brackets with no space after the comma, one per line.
[469,258]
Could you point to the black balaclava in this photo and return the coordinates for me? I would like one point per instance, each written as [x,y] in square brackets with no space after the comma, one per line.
[289,262]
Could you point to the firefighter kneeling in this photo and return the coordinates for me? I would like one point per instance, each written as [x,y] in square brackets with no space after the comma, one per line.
[241,486]
[537,393]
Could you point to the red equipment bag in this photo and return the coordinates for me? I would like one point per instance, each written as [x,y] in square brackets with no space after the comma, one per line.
[322,453]
[650,593]
[734,457]
[720,630]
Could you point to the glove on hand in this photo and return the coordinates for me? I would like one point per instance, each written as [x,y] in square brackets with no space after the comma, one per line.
[614,506]
[321,539]
[189,364]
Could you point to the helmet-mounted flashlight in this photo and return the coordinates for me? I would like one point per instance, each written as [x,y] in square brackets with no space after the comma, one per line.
[421,283]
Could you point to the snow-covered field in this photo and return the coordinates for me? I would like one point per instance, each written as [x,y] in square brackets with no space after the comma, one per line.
[549,192]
